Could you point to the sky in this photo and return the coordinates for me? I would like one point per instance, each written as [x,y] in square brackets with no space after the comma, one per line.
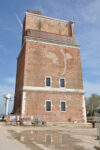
[86,13]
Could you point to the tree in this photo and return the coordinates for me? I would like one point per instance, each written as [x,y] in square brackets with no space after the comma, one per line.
[93,104]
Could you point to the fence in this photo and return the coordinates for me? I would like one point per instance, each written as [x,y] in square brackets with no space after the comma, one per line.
[97,122]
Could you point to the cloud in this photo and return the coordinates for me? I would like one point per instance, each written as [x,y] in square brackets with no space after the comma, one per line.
[91,12]
[42,10]
[19,20]
[1,46]
[7,28]
[6,89]
[57,9]
[91,87]
[3,51]
[10,80]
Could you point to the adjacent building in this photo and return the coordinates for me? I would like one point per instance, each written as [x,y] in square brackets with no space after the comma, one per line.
[49,81]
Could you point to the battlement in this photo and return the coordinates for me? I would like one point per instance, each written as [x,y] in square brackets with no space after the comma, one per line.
[35,24]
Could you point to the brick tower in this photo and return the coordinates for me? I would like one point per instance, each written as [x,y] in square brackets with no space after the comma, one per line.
[49,77]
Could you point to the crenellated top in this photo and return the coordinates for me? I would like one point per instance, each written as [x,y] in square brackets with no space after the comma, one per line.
[41,27]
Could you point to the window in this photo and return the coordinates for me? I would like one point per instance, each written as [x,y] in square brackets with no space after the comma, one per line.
[62,82]
[48,105]
[48,139]
[48,81]
[63,106]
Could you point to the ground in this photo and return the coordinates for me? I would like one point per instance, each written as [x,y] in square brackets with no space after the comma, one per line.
[51,137]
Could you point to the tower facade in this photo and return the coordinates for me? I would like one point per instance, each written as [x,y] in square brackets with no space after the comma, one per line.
[49,77]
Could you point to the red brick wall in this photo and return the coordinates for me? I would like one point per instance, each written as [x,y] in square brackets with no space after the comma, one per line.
[19,80]
[36,101]
[20,68]
[48,60]
[40,59]
[48,25]
[18,102]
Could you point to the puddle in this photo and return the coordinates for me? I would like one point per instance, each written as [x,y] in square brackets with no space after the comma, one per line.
[47,140]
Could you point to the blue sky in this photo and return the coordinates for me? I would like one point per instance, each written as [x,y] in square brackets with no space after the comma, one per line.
[86,13]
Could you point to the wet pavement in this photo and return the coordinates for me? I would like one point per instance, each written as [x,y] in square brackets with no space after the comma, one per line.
[51,137]
[47,140]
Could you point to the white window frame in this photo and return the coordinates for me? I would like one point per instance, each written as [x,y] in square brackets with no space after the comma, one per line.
[45,105]
[65,105]
[50,81]
[64,82]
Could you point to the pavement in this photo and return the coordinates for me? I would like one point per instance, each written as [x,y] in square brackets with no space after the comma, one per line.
[75,136]
[7,142]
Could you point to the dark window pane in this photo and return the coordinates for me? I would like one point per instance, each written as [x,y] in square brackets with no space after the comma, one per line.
[62,83]
[48,106]
[62,106]
[47,81]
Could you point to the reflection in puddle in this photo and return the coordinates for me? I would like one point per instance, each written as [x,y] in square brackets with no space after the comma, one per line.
[47,140]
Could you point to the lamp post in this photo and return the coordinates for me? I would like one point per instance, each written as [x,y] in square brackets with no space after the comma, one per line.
[7,98]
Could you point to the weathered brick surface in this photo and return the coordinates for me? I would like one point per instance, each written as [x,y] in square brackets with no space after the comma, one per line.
[39,59]
[49,36]
[47,25]
[48,60]
[20,69]
[18,102]
[19,81]
[35,104]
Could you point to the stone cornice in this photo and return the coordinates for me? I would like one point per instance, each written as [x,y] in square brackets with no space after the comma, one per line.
[28,38]
[46,89]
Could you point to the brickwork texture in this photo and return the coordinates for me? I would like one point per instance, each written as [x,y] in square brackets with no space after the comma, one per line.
[45,53]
